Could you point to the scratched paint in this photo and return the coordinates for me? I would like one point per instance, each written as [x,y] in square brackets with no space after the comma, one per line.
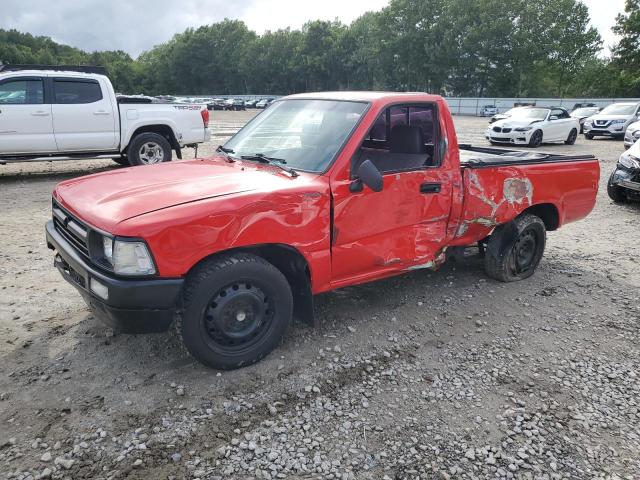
[515,190]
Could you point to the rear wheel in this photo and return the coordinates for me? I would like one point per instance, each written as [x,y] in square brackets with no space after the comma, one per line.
[536,139]
[615,192]
[514,250]
[571,139]
[148,149]
[236,310]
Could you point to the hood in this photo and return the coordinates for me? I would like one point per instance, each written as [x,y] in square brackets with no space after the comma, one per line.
[599,116]
[512,122]
[105,199]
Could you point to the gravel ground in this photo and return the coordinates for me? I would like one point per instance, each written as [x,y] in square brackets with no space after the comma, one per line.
[427,375]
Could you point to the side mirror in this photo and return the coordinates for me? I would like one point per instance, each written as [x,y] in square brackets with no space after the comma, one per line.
[369,175]
[553,117]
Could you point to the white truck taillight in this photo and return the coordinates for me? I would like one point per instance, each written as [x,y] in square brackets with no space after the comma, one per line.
[205,117]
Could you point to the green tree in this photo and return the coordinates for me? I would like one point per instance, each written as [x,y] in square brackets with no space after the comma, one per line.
[626,54]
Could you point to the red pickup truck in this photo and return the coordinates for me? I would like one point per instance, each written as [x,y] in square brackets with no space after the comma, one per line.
[317,192]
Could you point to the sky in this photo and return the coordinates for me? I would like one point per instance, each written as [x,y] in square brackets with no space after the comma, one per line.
[137,25]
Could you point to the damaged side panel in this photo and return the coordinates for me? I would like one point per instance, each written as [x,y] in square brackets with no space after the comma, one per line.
[492,196]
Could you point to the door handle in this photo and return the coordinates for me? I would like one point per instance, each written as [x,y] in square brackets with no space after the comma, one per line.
[430,187]
[101,112]
[40,113]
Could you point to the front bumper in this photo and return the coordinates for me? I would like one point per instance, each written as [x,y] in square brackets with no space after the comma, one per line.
[511,138]
[615,131]
[625,178]
[132,305]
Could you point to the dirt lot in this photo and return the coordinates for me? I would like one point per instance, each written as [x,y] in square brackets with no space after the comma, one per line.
[429,375]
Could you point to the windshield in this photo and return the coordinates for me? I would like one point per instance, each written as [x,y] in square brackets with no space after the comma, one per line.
[306,134]
[529,113]
[619,109]
[584,111]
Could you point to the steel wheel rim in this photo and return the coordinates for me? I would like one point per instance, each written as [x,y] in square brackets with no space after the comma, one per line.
[151,152]
[525,252]
[237,317]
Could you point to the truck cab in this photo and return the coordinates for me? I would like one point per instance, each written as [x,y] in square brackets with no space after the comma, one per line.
[318,192]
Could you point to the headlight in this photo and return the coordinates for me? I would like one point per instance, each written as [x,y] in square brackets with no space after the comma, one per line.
[588,123]
[616,122]
[629,161]
[636,134]
[523,129]
[128,257]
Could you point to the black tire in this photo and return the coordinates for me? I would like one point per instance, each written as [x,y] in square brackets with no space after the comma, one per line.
[571,139]
[588,136]
[514,250]
[122,160]
[615,192]
[223,324]
[536,139]
[148,149]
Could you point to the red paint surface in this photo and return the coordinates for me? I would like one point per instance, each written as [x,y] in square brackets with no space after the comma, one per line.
[187,211]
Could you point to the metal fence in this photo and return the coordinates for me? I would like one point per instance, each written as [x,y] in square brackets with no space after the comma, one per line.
[473,105]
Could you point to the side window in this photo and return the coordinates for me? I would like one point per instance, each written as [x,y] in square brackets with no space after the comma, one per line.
[73,91]
[21,92]
[401,139]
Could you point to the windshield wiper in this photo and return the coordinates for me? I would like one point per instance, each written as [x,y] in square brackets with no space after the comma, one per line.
[226,151]
[278,162]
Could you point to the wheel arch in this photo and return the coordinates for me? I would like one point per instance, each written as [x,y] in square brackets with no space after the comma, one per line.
[291,263]
[161,129]
[547,212]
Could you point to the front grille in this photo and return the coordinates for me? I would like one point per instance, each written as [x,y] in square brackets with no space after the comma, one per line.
[497,129]
[74,231]
[506,130]
[601,123]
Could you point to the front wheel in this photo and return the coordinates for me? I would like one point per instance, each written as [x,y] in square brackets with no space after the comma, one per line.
[588,136]
[616,192]
[148,149]
[236,310]
[514,250]
[536,139]
[571,139]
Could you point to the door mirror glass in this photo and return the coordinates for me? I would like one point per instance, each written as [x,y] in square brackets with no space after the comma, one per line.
[369,174]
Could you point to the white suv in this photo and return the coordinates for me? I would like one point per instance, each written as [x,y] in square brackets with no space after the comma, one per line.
[612,121]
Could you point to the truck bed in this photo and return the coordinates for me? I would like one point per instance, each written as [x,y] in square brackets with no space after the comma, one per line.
[479,157]
[497,185]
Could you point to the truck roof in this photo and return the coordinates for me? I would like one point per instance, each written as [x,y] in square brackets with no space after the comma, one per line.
[48,73]
[365,96]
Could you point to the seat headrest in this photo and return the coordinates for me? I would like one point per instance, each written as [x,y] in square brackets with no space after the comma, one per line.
[407,139]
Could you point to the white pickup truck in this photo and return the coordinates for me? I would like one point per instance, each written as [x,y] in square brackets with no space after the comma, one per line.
[61,114]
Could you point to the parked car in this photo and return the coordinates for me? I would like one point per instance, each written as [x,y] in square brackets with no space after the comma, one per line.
[534,125]
[262,103]
[501,116]
[576,106]
[632,135]
[62,114]
[488,111]
[250,103]
[583,113]
[612,121]
[216,104]
[231,247]
[624,183]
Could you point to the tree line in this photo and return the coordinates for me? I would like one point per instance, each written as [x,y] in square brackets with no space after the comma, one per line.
[505,48]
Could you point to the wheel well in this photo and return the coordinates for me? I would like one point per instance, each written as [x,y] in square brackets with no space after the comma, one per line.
[548,213]
[165,130]
[293,266]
